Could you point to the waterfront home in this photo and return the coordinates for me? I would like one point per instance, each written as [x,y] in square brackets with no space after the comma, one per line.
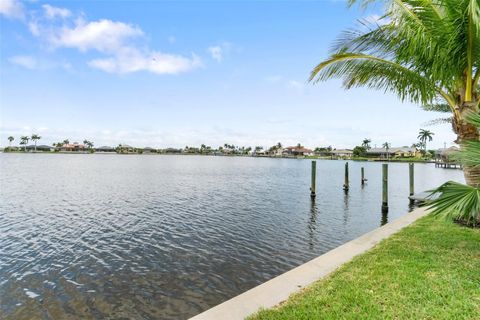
[397,152]
[342,153]
[278,152]
[259,153]
[297,151]
[172,150]
[125,148]
[105,149]
[42,148]
[445,154]
[72,147]
[149,150]
[228,150]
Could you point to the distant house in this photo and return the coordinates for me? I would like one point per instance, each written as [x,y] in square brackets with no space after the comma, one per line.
[173,150]
[277,152]
[149,150]
[228,150]
[445,154]
[43,148]
[259,153]
[297,151]
[105,149]
[342,153]
[125,148]
[73,147]
[398,152]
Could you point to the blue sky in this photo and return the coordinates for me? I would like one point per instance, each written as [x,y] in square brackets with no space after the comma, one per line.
[176,73]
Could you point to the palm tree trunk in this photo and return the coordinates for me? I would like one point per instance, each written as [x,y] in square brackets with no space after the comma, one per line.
[466,131]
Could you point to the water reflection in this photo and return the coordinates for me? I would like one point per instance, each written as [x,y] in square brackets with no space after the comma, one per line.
[412,206]
[346,203]
[384,219]
[312,224]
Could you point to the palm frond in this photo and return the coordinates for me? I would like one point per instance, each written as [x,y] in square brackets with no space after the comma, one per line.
[437,107]
[358,70]
[474,118]
[438,121]
[431,38]
[457,201]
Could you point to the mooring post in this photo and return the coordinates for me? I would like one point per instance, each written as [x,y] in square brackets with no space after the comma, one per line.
[346,184]
[385,188]
[314,178]
[412,180]
[363,175]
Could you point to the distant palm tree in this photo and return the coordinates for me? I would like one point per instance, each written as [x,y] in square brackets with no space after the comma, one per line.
[88,143]
[24,141]
[366,143]
[386,145]
[279,145]
[10,139]
[66,141]
[423,136]
[35,138]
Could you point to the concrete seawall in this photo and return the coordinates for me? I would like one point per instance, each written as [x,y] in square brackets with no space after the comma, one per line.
[278,289]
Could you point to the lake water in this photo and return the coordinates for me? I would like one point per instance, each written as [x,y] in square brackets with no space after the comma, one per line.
[166,237]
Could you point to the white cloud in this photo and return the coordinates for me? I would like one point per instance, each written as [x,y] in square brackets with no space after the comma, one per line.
[119,43]
[12,9]
[33,63]
[132,60]
[24,61]
[216,53]
[52,12]
[103,35]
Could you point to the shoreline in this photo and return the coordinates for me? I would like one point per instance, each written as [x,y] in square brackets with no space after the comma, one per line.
[401,160]
[277,290]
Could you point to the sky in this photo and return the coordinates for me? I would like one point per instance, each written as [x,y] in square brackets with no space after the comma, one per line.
[184,73]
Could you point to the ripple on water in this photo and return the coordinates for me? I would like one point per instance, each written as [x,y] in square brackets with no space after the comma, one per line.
[165,237]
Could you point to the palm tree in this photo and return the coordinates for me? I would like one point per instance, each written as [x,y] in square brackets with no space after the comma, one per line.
[35,138]
[88,143]
[24,141]
[66,141]
[10,139]
[366,143]
[423,136]
[425,52]
[386,145]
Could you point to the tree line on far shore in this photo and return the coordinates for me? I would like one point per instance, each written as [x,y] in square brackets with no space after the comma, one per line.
[88,146]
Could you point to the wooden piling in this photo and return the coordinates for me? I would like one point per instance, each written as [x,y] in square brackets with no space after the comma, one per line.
[412,178]
[385,187]
[411,175]
[346,184]
[314,178]
[363,175]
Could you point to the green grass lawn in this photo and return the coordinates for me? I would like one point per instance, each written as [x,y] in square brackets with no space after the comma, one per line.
[429,270]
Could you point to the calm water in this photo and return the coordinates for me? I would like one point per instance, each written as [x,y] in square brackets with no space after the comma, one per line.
[166,237]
